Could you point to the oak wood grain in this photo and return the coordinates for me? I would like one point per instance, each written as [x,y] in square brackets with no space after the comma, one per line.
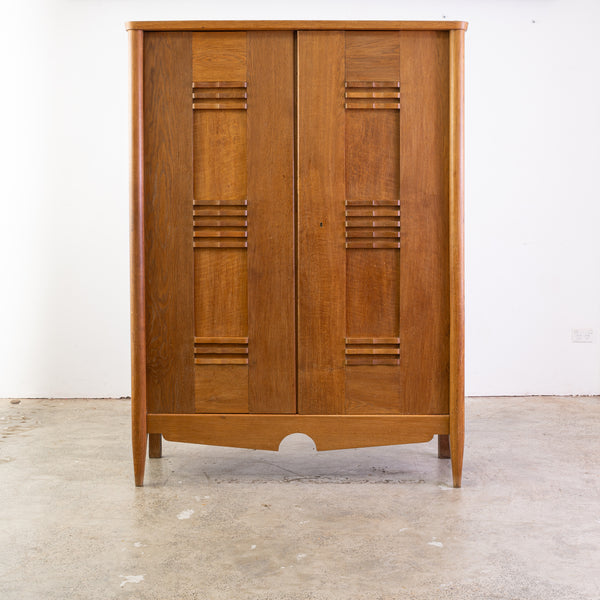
[220,292]
[373,389]
[329,432]
[372,293]
[372,159]
[271,285]
[220,171]
[137,265]
[372,55]
[321,225]
[168,222]
[221,388]
[424,263]
[219,56]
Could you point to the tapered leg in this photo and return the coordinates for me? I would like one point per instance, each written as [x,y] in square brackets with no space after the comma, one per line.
[456,451]
[443,446]
[139,437]
[139,440]
[155,446]
[457,278]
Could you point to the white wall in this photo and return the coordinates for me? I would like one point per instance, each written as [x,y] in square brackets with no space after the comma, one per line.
[532,200]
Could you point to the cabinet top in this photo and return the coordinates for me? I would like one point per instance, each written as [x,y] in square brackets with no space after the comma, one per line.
[296,25]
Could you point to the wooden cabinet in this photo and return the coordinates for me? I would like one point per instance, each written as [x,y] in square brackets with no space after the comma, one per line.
[297,234]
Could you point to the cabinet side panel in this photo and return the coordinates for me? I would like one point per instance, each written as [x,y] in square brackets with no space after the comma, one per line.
[424,263]
[168,222]
[271,285]
[321,242]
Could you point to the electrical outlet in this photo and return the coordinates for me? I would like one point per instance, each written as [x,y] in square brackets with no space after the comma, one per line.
[582,336]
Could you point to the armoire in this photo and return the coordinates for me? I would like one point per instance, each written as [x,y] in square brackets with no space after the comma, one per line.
[297,234]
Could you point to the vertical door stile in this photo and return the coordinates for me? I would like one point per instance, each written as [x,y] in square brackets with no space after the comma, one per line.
[321,251]
[271,278]
[167,222]
[424,281]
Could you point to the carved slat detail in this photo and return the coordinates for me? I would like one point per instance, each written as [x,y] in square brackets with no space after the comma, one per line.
[363,203]
[373,212]
[219,84]
[376,233]
[374,244]
[372,94]
[220,212]
[369,95]
[220,224]
[225,94]
[231,105]
[373,351]
[372,224]
[221,350]
[372,84]
[222,340]
[381,340]
[213,349]
[373,348]
[373,105]
[220,244]
[213,202]
[359,360]
[231,95]
[220,361]
[362,222]
[201,221]
[221,233]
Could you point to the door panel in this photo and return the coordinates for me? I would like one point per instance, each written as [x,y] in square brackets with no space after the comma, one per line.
[219,148]
[372,207]
[369,233]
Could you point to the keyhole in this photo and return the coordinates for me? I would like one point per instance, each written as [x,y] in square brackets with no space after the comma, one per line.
[320,224]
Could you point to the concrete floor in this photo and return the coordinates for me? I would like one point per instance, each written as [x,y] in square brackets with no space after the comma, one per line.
[376,524]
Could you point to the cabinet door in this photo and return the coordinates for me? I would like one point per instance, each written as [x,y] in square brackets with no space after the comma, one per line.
[373,288]
[219,222]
